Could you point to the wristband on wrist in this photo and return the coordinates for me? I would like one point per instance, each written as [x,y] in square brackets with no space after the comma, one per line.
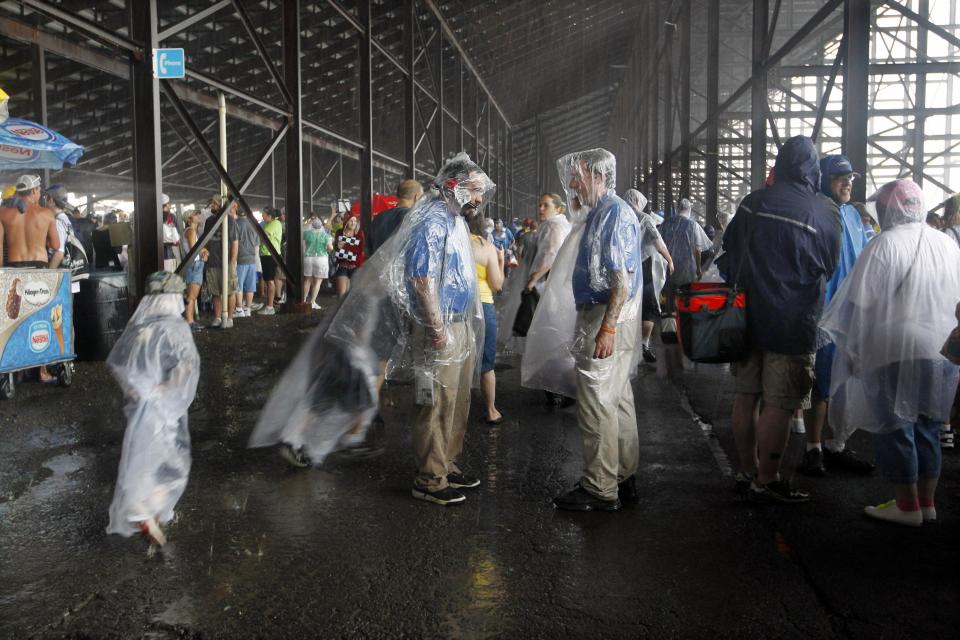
[606,329]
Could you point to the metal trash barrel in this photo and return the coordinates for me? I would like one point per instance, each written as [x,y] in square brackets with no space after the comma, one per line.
[100,313]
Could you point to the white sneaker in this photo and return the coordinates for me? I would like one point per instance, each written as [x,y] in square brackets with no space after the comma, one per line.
[316,307]
[256,306]
[267,311]
[228,324]
[929,514]
[890,512]
[216,323]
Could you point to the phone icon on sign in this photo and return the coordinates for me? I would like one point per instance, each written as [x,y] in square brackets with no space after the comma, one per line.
[162,63]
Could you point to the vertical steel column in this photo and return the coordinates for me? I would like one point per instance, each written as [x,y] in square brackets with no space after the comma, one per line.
[366,117]
[294,146]
[712,160]
[856,79]
[440,114]
[410,88]
[655,29]
[147,177]
[310,187]
[668,120]
[273,180]
[486,137]
[463,125]
[685,27]
[920,101]
[39,89]
[758,96]
[537,147]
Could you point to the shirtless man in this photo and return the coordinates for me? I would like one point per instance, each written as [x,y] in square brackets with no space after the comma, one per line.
[28,235]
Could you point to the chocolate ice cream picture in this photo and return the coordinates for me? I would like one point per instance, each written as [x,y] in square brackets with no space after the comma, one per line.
[13,300]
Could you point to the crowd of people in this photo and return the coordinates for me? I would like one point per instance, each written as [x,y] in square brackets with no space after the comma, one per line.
[849,306]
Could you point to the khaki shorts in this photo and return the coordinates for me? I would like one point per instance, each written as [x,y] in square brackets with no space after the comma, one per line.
[214,276]
[783,380]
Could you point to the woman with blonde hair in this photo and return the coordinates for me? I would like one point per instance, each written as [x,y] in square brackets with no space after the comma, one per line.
[489,264]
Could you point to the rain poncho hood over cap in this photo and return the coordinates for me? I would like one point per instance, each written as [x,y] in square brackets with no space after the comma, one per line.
[890,319]
[605,234]
[157,366]
[422,280]
[635,199]
[683,235]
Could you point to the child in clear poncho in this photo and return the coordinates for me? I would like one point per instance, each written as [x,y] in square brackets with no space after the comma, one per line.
[157,365]
[889,320]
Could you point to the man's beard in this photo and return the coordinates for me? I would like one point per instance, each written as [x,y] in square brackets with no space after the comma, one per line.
[469,210]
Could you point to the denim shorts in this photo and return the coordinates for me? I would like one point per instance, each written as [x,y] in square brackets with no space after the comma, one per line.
[904,455]
[489,359]
[247,277]
[194,273]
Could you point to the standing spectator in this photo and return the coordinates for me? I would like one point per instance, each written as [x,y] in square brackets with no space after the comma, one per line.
[951,227]
[274,230]
[30,236]
[171,238]
[316,263]
[83,228]
[386,222]
[787,242]
[502,237]
[350,243]
[193,274]
[526,241]
[685,241]
[606,283]
[488,258]
[248,247]
[836,185]
[214,274]
[889,322]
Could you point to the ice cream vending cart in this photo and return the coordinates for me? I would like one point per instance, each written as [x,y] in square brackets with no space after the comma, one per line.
[36,324]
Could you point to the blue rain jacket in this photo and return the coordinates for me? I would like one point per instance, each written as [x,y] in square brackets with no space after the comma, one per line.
[853,236]
[788,242]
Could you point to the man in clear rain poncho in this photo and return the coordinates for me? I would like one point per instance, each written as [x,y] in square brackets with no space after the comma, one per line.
[657,265]
[412,311]
[685,239]
[889,320]
[582,338]
[157,366]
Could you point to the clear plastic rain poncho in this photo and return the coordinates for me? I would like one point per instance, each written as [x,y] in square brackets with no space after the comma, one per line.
[550,237]
[889,320]
[157,366]
[548,361]
[650,239]
[416,286]
[682,235]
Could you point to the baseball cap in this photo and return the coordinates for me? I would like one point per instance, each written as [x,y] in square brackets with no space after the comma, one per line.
[58,193]
[28,182]
[165,198]
[9,191]
[840,166]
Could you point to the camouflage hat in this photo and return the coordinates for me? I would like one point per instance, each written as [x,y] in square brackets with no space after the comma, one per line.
[164,282]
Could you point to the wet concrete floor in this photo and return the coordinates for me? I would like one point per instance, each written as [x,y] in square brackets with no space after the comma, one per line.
[263,551]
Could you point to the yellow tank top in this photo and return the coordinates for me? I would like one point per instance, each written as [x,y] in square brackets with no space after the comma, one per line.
[483,288]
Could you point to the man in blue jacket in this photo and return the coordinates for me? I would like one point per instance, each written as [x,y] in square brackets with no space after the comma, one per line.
[787,242]
[836,183]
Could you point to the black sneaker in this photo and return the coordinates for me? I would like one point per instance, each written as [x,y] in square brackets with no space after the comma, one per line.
[363,451]
[559,401]
[776,492]
[648,355]
[741,482]
[846,460]
[445,496]
[462,481]
[582,500]
[627,491]
[295,457]
[812,464]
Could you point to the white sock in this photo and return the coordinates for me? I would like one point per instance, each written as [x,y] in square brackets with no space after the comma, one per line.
[813,445]
[646,342]
[834,446]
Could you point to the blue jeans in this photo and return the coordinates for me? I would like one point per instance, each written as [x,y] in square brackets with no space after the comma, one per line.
[911,452]
[489,359]
[194,273]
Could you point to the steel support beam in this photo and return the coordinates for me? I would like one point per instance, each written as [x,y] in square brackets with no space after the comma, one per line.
[825,100]
[758,95]
[366,116]
[440,114]
[410,88]
[668,119]
[294,146]
[654,129]
[39,90]
[685,29]
[147,177]
[712,155]
[856,32]
[920,100]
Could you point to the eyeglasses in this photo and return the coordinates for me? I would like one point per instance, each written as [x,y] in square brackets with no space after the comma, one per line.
[845,179]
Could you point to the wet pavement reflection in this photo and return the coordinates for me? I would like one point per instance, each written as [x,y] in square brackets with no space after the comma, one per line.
[260,550]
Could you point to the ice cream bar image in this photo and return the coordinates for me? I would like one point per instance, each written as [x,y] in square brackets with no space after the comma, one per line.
[13,300]
[56,319]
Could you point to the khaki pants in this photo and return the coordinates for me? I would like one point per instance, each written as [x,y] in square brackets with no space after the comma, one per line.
[439,429]
[605,409]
